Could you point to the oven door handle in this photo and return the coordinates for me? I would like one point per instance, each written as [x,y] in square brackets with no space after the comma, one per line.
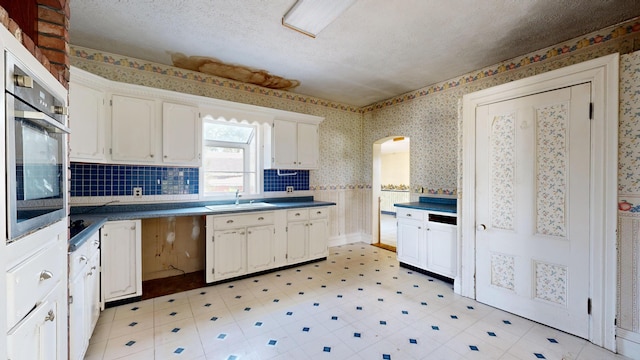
[43,120]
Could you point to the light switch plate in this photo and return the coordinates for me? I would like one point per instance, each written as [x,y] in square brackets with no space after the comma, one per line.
[289,189]
[137,192]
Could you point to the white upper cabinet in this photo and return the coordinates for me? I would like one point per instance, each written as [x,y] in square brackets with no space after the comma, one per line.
[285,144]
[180,134]
[113,122]
[133,129]
[86,118]
[295,145]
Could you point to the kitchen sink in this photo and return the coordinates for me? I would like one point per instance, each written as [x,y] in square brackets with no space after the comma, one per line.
[240,207]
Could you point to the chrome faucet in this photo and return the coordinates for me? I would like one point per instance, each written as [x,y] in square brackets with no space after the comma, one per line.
[237,196]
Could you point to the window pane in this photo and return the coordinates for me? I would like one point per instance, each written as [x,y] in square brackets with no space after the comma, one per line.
[224,169]
[218,182]
[217,131]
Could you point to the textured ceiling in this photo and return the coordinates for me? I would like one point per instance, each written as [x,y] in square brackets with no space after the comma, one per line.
[376,50]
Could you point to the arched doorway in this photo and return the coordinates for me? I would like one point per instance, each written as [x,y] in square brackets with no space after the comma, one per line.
[390,185]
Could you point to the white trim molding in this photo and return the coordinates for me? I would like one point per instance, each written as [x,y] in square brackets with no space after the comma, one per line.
[602,73]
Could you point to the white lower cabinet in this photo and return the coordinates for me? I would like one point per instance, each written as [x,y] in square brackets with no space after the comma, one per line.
[307,234]
[412,242]
[121,273]
[441,249]
[260,254]
[297,241]
[39,334]
[230,253]
[427,240]
[84,295]
[240,244]
[36,293]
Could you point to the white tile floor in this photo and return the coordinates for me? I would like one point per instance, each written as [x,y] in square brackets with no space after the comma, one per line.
[358,304]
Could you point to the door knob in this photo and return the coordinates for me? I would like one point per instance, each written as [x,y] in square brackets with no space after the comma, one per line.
[481,227]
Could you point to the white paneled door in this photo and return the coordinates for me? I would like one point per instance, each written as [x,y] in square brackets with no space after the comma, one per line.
[532,207]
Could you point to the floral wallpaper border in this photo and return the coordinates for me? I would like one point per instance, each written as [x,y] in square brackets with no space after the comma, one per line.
[593,39]
[142,65]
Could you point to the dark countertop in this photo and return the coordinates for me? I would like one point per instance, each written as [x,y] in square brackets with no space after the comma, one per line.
[432,204]
[95,217]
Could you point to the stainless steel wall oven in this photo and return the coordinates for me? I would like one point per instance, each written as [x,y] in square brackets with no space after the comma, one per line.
[35,151]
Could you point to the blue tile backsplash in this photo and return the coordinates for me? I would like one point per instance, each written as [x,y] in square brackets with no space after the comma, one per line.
[119,180]
[275,182]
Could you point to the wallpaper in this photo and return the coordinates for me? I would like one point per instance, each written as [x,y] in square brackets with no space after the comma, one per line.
[431,118]
[629,194]
[340,132]
[428,116]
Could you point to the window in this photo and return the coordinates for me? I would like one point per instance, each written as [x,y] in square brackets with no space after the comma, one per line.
[230,158]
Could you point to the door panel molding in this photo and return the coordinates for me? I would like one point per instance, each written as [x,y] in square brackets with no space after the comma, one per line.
[602,73]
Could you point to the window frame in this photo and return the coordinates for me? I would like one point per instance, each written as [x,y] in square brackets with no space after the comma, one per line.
[253,142]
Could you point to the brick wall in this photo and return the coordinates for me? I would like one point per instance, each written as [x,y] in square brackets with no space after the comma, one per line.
[50,42]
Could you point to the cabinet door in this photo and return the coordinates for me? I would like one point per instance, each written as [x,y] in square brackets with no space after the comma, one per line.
[411,243]
[92,295]
[308,146]
[133,126]
[318,236]
[78,341]
[285,154]
[37,336]
[260,248]
[441,249]
[121,273]
[86,120]
[230,253]
[297,241]
[180,134]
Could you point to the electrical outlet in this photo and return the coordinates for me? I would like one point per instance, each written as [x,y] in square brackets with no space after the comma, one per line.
[137,192]
[289,189]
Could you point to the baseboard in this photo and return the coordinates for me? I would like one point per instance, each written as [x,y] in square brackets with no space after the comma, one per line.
[348,239]
[628,343]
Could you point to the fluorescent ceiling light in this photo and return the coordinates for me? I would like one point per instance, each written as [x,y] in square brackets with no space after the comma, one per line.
[311,16]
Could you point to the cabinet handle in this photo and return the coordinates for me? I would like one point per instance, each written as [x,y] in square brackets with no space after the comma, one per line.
[319,212]
[242,233]
[261,218]
[249,232]
[229,221]
[93,268]
[82,258]
[165,156]
[50,316]
[481,227]
[45,275]
[90,273]
[105,234]
[297,214]
[310,224]
[419,227]
[151,155]
[96,243]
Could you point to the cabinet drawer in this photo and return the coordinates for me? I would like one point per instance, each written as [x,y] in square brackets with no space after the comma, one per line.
[79,258]
[297,214]
[318,213]
[31,280]
[410,213]
[235,221]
